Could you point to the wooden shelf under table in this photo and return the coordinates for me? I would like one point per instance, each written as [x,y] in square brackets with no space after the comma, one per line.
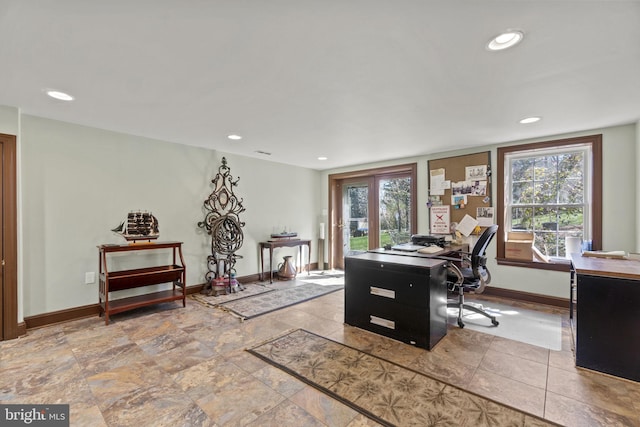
[130,303]
[120,280]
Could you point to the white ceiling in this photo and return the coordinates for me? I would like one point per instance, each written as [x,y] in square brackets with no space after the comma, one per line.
[354,80]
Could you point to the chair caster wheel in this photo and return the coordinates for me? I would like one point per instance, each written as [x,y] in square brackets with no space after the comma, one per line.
[460,324]
[495,322]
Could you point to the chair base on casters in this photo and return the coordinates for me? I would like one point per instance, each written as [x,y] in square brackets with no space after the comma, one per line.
[462,306]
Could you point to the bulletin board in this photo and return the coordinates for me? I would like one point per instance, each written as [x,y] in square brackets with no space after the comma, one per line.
[457,171]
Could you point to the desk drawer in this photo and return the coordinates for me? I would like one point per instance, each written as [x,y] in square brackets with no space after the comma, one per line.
[404,298]
[411,288]
[407,324]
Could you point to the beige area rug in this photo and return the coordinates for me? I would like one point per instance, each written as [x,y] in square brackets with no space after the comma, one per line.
[249,290]
[257,305]
[388,393]
[517,322]
[264,297]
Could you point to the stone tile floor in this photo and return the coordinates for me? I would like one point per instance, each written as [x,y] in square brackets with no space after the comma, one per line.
[171,366]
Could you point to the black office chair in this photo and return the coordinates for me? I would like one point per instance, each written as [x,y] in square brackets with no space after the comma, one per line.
[472,276]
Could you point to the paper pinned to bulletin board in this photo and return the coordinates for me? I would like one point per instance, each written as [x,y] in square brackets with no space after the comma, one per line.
[440,220]
[463,183]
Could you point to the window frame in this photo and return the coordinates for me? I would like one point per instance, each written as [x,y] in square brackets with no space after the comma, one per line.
[595,215]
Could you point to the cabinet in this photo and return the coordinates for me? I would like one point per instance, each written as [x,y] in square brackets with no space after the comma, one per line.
[401,297]
[606,315]
[114,281]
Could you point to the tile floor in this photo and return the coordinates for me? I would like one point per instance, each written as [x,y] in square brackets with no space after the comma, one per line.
[172,366]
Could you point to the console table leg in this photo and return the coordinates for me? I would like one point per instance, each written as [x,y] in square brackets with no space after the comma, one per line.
[270,265]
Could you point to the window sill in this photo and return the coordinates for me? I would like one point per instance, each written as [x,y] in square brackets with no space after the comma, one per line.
[556,264]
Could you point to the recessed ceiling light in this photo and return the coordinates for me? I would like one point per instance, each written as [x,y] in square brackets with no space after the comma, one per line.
[234,137]
[59,95]
[505,40]
[528,120]
[322,158]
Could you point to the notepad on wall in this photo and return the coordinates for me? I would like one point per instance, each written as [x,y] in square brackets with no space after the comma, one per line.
[467,225]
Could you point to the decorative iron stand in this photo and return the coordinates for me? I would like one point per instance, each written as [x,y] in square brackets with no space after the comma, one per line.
[222,223]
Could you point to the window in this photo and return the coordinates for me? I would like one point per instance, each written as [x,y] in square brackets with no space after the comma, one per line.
[552,189]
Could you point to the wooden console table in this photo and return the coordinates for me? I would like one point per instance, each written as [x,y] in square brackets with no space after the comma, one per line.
[605,314]
[113,281]
[281,244]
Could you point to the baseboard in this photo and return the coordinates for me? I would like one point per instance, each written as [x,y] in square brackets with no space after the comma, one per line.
[22,329]
[75,313]
[51,318]
[527,297]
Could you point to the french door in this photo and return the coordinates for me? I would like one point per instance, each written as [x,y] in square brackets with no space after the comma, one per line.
[355,220]
[370,209]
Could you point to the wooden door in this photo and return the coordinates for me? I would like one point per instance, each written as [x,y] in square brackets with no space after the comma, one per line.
[8,240]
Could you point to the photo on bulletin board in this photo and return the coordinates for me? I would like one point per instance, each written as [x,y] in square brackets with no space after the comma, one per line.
[484,216]
[478,188]
[475,173]
[459,201]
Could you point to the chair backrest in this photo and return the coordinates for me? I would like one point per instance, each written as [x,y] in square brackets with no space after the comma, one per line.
[478,259]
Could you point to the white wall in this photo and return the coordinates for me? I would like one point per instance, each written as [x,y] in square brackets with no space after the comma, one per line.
[620,188]
[80,182]
[9,122]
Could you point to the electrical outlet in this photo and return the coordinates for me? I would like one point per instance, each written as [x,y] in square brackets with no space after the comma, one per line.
[89,277]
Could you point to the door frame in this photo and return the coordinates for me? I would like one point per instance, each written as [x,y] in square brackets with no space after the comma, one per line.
[369,181]
[336,182]
[9,328]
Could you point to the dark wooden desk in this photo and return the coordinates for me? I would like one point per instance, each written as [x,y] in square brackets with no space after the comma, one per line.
[605,314]
[401,297]
[271,245]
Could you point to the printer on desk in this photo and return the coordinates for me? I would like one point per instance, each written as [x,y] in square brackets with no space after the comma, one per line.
[426,240]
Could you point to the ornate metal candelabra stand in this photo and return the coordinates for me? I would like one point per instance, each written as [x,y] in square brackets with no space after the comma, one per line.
[222,223]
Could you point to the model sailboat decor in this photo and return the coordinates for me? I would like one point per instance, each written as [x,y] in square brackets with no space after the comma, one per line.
[139,225]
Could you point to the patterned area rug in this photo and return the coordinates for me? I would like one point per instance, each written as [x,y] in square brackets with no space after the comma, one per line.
[328,277]
[384,391]
[253,306]
[249,290]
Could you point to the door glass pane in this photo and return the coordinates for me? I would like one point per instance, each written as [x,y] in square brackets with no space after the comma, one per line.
[395,210]
[355,221]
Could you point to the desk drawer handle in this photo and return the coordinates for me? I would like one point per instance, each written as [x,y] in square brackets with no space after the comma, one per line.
[381,292]
[382,322]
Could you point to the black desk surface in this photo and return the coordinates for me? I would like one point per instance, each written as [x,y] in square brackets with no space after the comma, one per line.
[413,259]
